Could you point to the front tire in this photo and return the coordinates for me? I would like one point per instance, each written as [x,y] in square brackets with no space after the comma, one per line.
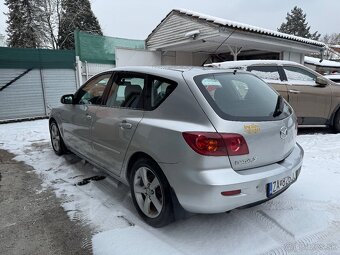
[151,194]
[57,141]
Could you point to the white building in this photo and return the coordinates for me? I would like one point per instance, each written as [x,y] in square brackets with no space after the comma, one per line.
[189,38]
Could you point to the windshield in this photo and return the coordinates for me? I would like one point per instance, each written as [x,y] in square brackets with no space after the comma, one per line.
[241,96]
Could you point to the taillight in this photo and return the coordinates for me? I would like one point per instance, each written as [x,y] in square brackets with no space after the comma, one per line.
[236,144]
[215,144]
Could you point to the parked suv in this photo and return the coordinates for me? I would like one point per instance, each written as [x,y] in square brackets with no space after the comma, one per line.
[207,141]
[315,99]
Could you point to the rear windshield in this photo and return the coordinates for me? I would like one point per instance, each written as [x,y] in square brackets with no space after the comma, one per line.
[240,96]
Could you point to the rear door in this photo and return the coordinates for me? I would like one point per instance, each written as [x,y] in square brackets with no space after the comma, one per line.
[77,118]
[115,124]
[273,76]
[310,101]
[251,114]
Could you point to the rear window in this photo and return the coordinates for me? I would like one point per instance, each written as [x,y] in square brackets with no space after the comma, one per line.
[240,96]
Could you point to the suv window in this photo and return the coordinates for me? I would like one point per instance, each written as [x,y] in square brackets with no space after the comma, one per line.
[92,92]
[126,91]
[268,73]
[240,96]
[299,76]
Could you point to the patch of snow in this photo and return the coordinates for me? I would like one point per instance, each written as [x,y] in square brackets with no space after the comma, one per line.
[128,241]
[304,219]
[325,63]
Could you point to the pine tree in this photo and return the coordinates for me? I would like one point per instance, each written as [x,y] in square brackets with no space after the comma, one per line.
[25,29]
[296,24]
[76,15]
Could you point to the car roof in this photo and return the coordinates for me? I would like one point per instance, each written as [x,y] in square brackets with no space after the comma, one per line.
[245,63]
[172,70]
[332,76]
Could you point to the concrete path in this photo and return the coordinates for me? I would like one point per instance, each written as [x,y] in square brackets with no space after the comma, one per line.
[32,221]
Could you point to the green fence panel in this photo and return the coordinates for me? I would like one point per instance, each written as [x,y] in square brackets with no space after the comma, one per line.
[101,49]
[36,58]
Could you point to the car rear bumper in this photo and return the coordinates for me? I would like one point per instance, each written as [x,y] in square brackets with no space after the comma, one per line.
[200,191]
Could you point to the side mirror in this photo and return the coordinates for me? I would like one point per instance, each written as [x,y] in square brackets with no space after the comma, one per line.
[321,81]
[67,99]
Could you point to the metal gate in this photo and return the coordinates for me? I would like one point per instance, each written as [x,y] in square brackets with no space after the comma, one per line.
[33,80]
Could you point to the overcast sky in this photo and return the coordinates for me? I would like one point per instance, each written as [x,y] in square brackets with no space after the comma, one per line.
[136,19]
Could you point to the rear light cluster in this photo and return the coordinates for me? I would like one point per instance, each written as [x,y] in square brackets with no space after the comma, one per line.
[216,144]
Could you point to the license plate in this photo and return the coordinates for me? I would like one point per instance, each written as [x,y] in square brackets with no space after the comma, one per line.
[276,186]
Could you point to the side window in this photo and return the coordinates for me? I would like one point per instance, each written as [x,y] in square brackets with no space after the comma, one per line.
[160,89]
[92,92]
[268,73]
[299,76]
[126,92]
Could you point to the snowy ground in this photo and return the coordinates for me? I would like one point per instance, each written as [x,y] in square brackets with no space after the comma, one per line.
[303,220]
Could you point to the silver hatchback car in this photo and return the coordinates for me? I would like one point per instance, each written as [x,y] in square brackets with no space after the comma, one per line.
[198,139]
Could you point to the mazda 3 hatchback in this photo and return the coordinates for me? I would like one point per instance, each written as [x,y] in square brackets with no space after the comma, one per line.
[202,140]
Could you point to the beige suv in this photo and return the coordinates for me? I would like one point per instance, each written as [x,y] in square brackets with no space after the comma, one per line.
[315,99]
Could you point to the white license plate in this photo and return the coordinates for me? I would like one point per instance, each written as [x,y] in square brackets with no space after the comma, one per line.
[276,186]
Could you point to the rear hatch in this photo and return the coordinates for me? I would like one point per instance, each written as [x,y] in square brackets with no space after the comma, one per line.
[247,106]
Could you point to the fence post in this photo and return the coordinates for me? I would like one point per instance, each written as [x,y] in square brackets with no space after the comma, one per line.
[79,77]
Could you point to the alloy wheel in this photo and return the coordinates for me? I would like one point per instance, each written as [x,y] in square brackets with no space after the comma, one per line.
[148,192]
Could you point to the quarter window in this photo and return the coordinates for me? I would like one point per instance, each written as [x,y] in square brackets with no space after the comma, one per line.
[92,92]
[268,73]
[299,76]
[126,92]
[160,89]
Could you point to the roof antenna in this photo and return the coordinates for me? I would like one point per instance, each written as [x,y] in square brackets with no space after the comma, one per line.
[220,46]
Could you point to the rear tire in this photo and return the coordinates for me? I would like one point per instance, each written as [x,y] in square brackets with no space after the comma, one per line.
[336,124]
[151,193]
[57,141]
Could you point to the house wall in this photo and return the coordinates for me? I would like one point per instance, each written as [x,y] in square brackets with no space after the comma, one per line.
[293,56]
[131,57]
[183,58]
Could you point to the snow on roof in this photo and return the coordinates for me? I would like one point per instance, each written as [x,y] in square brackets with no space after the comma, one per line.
[333,76]
[324,63]
[246,27]
[245,63]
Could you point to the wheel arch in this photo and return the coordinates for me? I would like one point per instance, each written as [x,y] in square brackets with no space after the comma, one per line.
[133,158]
[334,113]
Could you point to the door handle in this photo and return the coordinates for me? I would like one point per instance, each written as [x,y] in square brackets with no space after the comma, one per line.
[125,125]
[294,91]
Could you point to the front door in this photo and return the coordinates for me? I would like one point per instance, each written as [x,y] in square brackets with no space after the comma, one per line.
[114,125]
[310,101]
[77,120]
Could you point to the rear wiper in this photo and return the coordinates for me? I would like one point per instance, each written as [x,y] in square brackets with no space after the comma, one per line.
[279,106]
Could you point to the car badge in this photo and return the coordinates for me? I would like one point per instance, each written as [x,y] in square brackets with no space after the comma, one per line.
[252,129]
[283,132]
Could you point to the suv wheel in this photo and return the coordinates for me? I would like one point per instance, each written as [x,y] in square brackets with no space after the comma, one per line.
[336,124]
[151,194]
[56,139]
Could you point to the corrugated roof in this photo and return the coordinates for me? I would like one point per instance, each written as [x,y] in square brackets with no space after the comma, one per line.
[241,26]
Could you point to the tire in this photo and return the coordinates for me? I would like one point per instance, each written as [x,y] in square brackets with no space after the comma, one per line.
[336,124]
[58,144]
[151,194]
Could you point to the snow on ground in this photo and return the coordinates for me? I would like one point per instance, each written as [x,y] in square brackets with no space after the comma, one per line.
[303,220]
